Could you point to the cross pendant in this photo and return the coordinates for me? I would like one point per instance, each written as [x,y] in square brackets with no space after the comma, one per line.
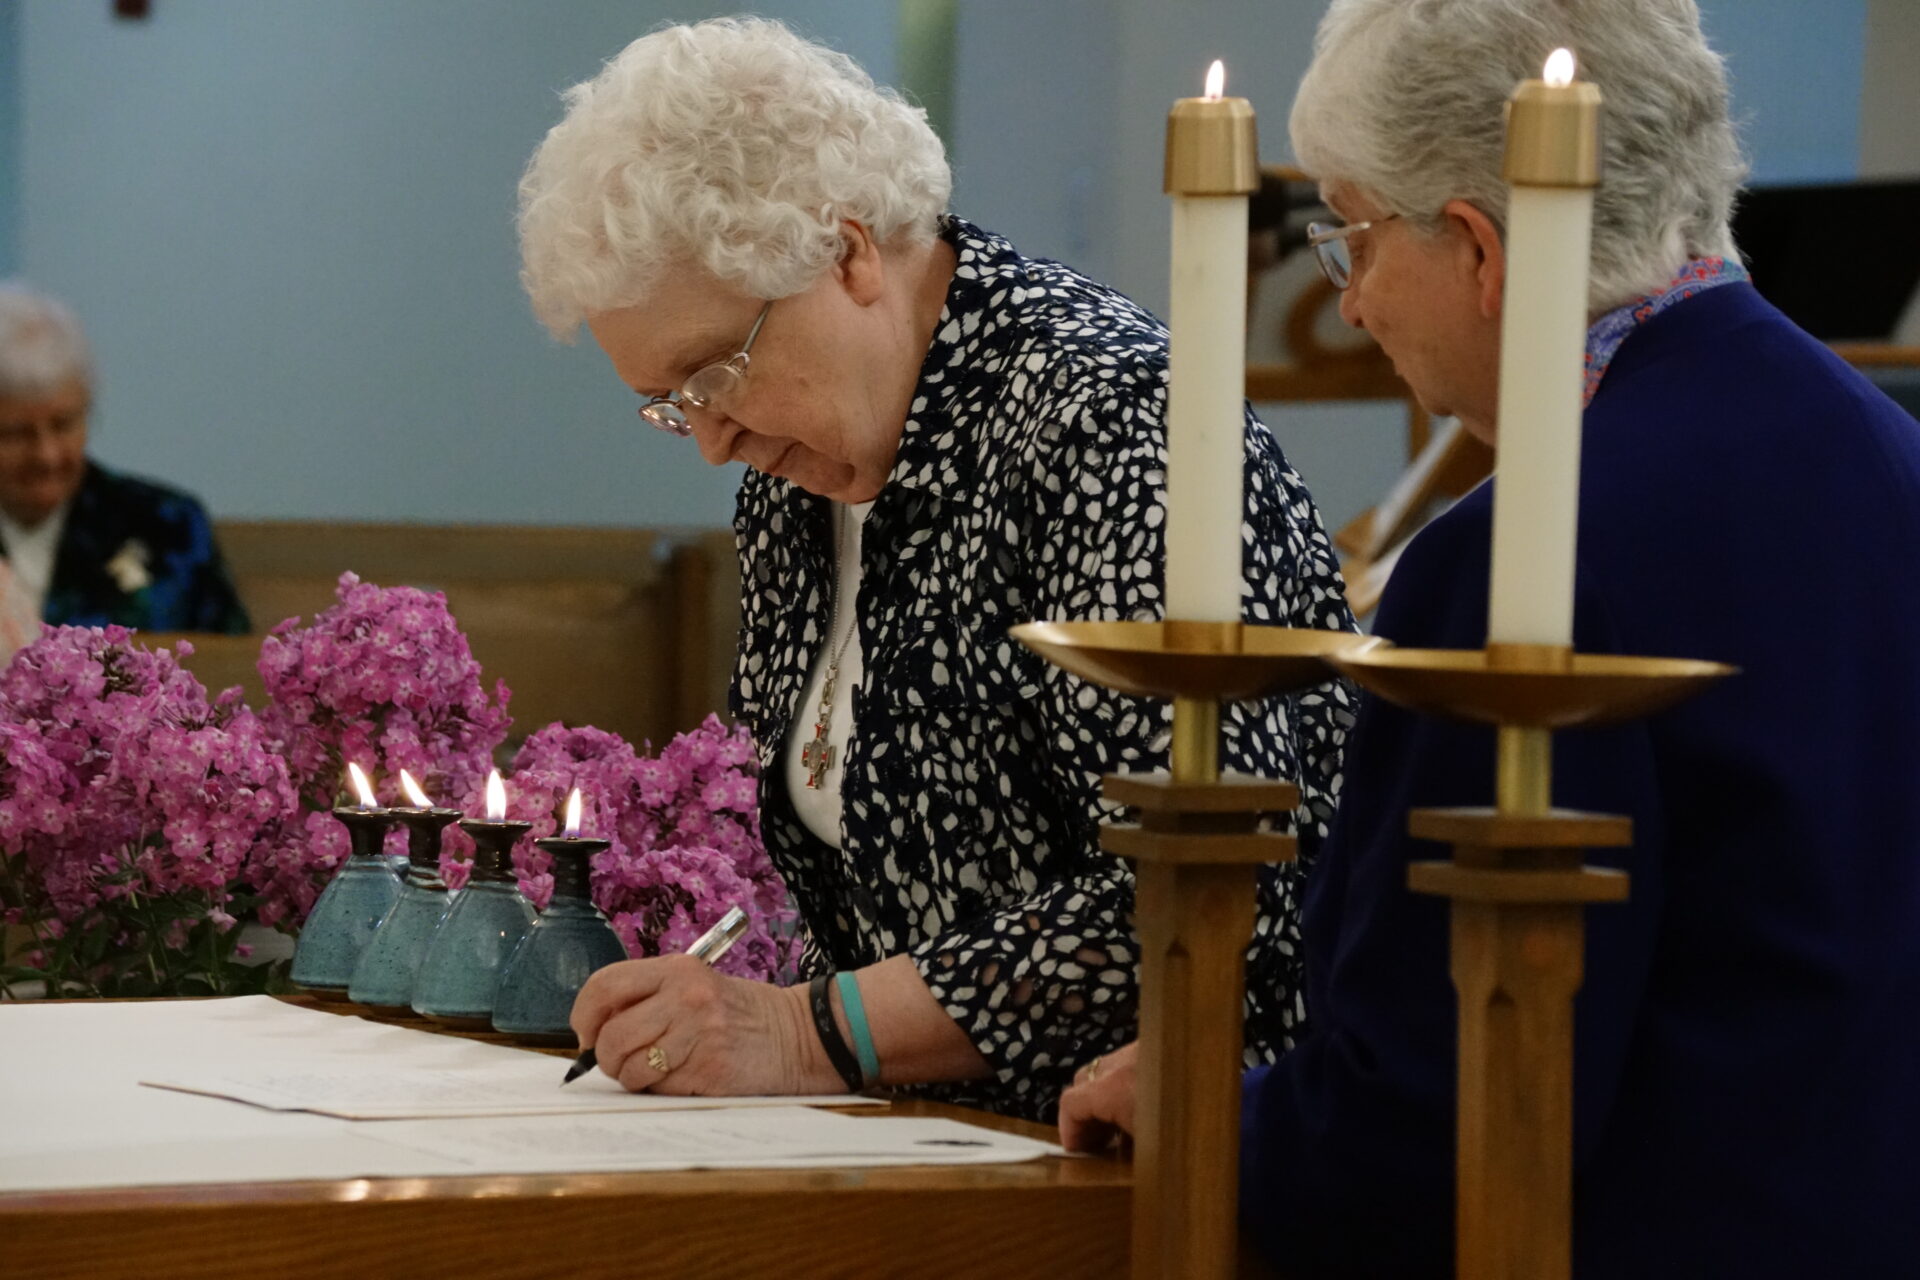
[817,756]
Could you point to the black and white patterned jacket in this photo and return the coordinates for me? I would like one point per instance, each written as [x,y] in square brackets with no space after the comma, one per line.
[1029,485]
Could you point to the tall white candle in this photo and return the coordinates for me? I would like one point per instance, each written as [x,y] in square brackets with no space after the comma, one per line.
[1552,166]
[1212,166]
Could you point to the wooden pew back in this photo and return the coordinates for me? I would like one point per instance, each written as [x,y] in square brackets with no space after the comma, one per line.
[631,630]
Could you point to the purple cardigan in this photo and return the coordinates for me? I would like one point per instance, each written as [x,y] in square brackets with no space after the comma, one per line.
[1747,1061]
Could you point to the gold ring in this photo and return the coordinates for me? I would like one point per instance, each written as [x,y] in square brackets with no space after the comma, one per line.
[657,1059]
[1093,1070]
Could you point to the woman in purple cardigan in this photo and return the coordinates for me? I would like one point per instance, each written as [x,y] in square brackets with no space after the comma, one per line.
[1747,1058]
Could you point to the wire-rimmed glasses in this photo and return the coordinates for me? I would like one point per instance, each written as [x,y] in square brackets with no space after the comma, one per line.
[1330,249]
[705,387]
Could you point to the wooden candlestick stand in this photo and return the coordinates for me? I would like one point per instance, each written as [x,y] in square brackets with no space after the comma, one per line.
[1518,937]
[1196,853]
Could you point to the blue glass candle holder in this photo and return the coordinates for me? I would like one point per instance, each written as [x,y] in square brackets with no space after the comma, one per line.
[461,970]
[566,944]
[351,907]
[390,965]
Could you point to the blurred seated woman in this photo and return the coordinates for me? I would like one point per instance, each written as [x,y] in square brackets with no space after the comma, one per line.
[943,438]
[85,545]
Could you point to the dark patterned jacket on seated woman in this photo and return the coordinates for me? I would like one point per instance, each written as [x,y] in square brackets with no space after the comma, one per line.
[945,438]
[139,554]
[87,546]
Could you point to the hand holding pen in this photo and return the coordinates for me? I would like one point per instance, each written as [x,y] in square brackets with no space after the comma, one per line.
[707,949]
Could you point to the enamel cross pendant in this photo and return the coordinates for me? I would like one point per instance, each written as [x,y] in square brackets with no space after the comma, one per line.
[817,756]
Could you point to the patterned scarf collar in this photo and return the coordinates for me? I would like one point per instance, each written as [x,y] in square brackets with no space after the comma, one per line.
[1613,328]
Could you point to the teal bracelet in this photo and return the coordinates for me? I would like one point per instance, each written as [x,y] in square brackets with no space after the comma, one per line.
[857,1023]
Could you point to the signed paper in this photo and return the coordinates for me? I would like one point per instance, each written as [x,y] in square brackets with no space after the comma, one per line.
[483,1086]
[769,1137]
[73,1113]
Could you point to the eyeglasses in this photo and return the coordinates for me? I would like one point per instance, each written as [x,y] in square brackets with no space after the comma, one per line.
[706,387]
[1331,251]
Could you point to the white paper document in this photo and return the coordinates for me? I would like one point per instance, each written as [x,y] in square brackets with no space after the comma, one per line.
[484,1086]
[73,1113]
[758,1138]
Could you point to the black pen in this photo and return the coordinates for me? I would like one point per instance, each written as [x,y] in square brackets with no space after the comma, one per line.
[710,946]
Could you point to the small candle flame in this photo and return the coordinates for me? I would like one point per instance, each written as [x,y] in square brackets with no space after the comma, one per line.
[361,786]
[496,798]
[1216,80]
[573,815]
[414,793]
[1559,72]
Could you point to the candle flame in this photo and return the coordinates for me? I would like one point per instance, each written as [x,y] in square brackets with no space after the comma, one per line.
[1559,72]
[1216,80]
[496,798]
[573,815]
[414,793]
[361,786]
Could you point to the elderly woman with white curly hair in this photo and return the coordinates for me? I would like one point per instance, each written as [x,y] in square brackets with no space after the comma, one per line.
[943,438]
[1746,1054]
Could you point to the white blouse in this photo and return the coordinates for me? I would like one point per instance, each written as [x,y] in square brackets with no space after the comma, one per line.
[819,807]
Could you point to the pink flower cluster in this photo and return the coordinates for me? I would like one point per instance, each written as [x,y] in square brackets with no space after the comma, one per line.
[138,817]
[384,678]
[685,833]
[132,807]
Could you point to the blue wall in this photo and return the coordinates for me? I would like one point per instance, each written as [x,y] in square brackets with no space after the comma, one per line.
[289,229]
[1033,139]
[289,226]
[9,133]
[1796,68]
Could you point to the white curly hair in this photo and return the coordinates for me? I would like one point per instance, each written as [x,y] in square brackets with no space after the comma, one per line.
[42,346]
[1404,100]
[731,146]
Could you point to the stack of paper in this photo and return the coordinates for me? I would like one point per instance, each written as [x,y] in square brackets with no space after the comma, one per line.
[74,1111]
[507,1082]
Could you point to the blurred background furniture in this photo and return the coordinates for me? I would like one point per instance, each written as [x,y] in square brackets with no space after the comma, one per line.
[630,630]
[1843,260]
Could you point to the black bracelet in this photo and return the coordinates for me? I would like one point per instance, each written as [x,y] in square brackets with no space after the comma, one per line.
[830,1038]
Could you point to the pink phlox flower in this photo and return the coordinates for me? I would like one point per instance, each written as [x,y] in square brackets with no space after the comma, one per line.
[658,784]
[384,677]
[734,791]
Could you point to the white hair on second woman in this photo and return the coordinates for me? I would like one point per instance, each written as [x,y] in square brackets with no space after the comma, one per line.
[43,350]
[1404,102]
[733,147]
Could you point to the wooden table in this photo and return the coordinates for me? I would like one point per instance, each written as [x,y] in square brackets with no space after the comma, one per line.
[1054,1218]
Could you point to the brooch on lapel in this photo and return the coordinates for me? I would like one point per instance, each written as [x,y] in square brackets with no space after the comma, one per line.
[128,568]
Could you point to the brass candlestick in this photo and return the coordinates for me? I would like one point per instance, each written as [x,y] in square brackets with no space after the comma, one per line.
[1518,886]
[1196,853]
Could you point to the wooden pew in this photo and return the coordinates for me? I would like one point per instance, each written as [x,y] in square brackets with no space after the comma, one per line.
[631,630]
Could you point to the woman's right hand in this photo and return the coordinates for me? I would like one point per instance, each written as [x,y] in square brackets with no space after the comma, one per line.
[715,1035]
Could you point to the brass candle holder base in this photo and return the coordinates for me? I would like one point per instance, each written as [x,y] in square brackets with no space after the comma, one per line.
[1527,686]
[1518,886]
[1197,852]
[1214,661]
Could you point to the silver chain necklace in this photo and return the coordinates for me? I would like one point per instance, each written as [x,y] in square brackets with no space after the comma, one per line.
[817,757]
